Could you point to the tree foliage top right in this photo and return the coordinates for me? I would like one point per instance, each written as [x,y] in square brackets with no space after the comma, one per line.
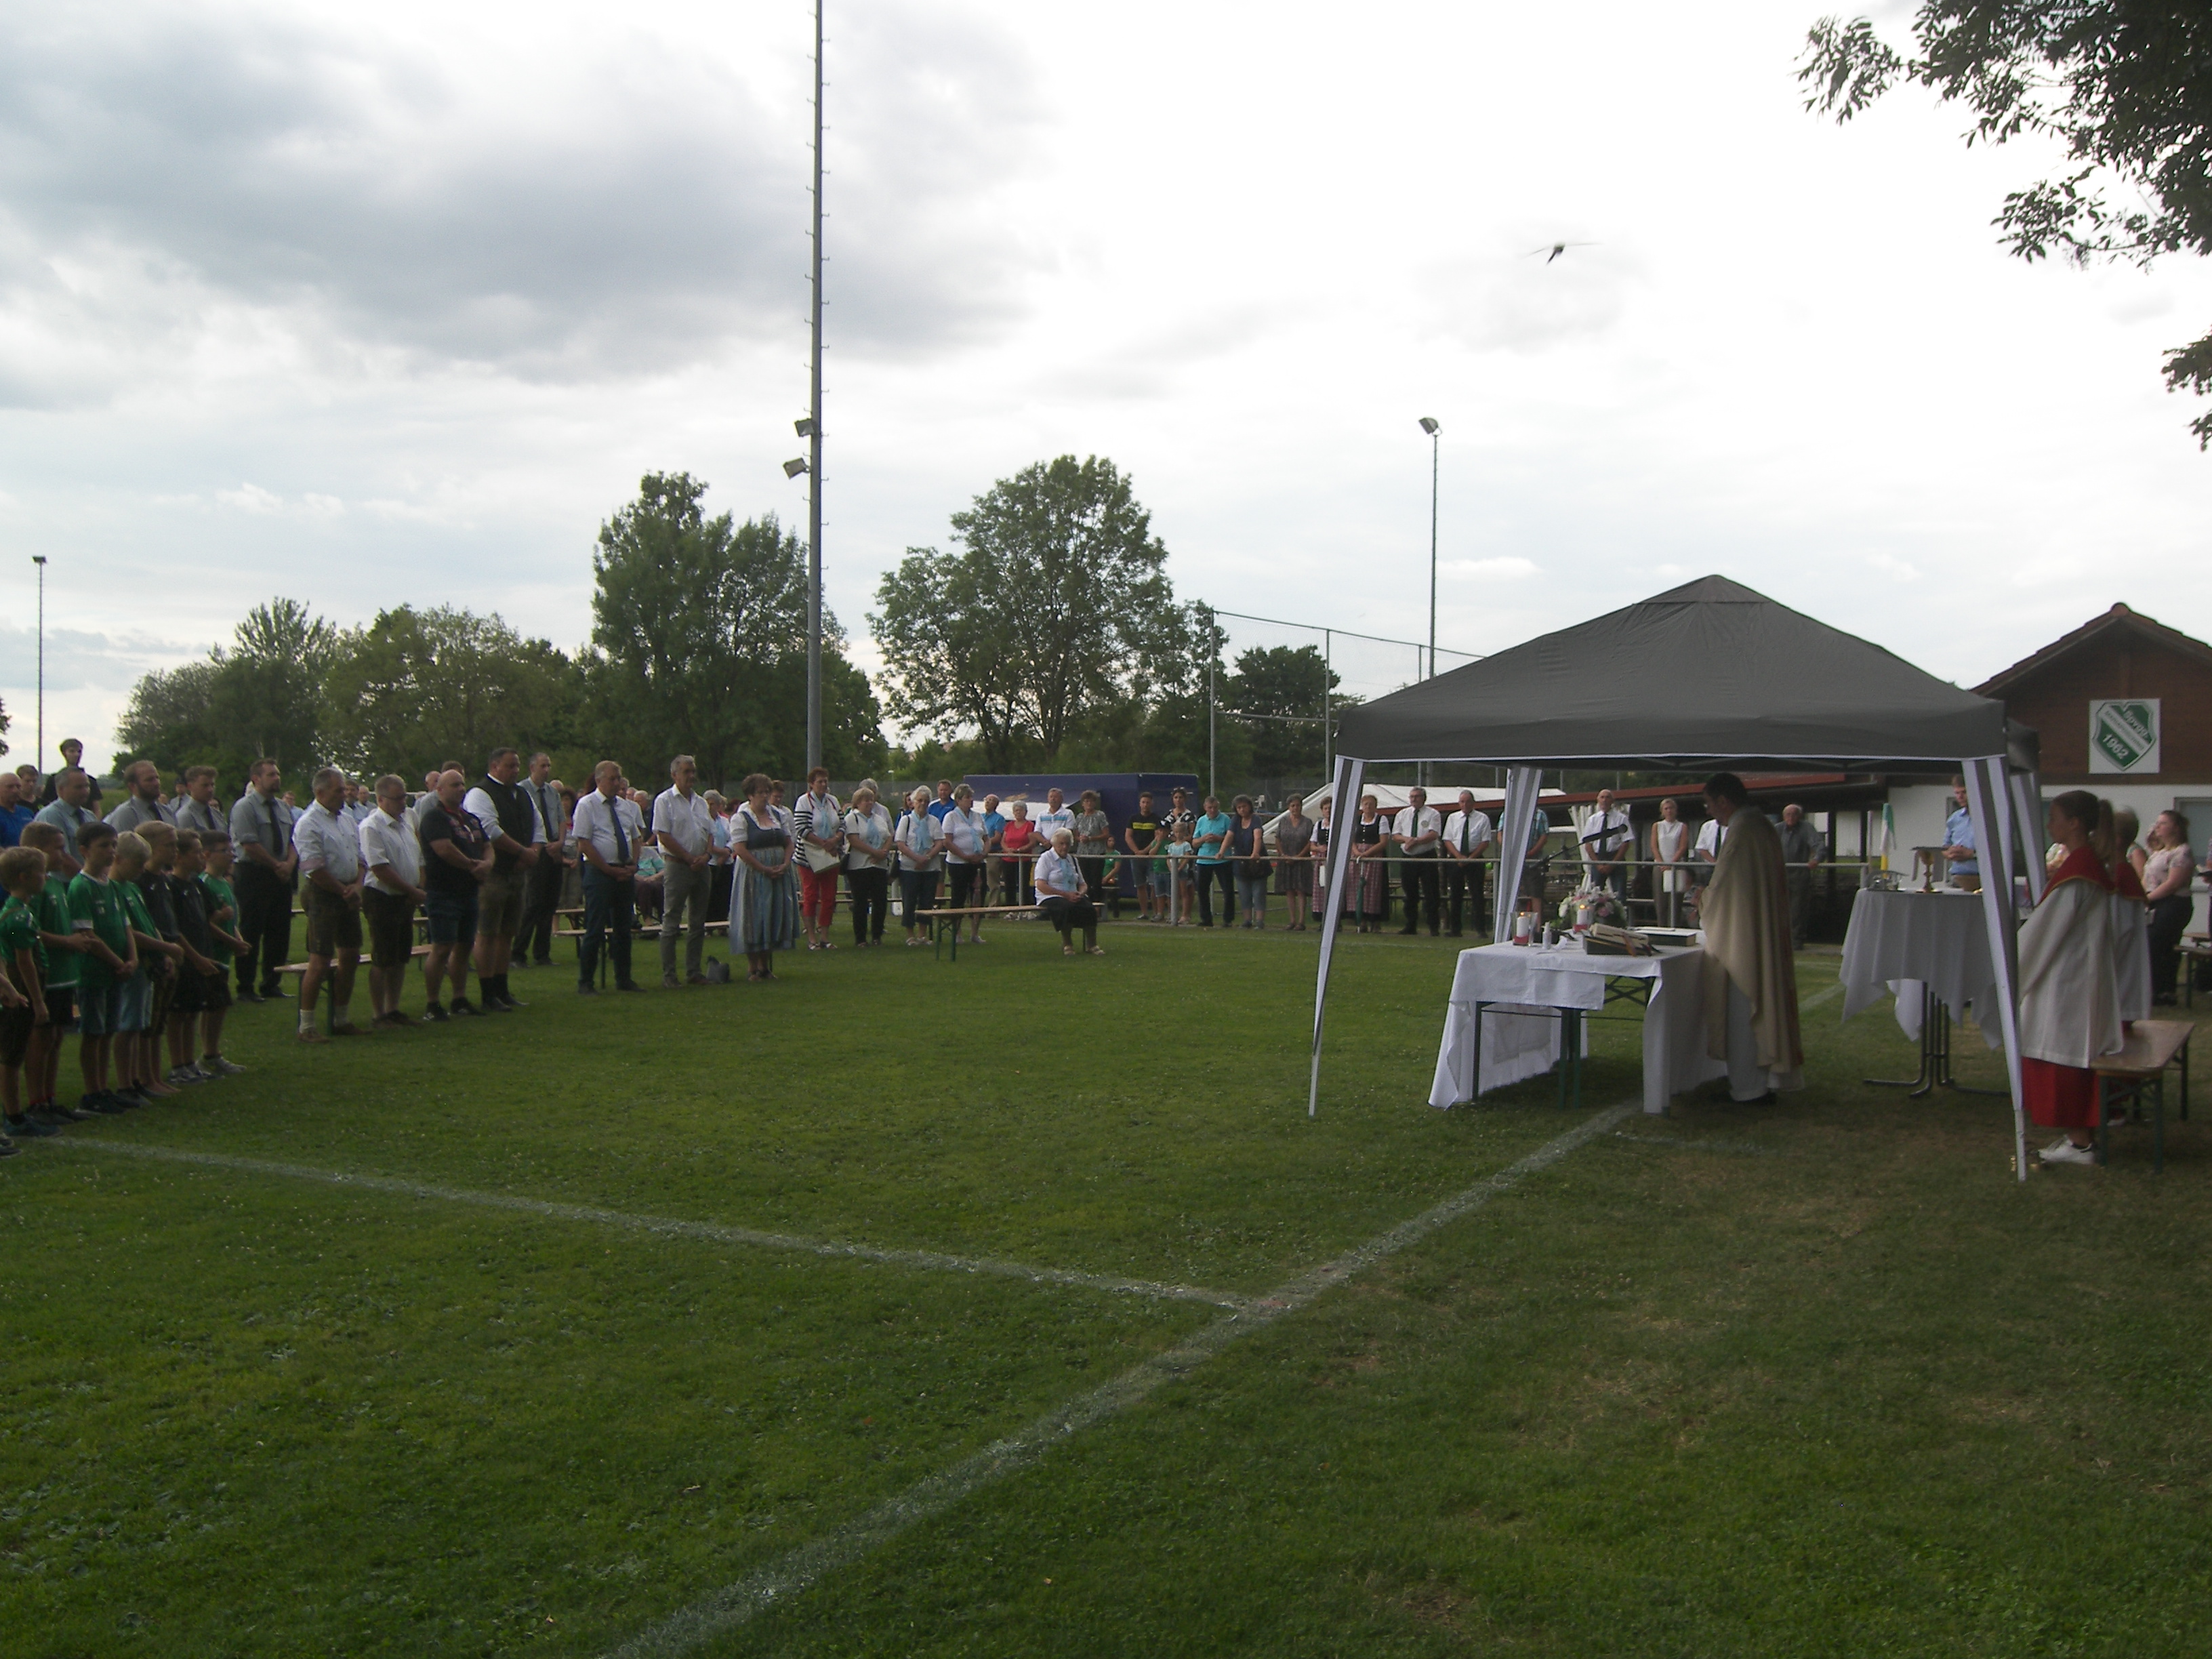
[2125,86]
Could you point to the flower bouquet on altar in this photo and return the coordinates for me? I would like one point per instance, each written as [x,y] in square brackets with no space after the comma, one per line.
[1591,907]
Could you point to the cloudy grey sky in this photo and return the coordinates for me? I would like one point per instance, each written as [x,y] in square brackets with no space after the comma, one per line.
[366,310]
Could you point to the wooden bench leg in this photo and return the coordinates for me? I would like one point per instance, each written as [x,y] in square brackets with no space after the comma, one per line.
[2158,1128]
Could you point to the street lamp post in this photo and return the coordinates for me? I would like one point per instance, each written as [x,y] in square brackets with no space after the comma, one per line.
[1436,475]
[809,426]
[812,429]
[39,560]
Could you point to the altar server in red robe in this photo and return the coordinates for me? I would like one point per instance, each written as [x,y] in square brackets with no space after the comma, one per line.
[2069,1005]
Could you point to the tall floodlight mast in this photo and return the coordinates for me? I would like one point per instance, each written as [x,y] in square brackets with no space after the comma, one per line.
[813,431]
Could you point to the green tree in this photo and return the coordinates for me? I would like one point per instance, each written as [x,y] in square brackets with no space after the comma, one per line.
[3,726]
[170,720]
[1056,610]
[1279,690]
[2124,86]
[700,631]
[417,687]
[267,694]
[263,696]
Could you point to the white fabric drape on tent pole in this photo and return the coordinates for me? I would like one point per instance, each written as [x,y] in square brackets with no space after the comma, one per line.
[2027,829]
[1343,817]
[1523,786]
[1988,784]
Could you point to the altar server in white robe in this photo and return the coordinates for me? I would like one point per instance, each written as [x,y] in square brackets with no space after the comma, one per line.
[1750,976]
[2069,1002]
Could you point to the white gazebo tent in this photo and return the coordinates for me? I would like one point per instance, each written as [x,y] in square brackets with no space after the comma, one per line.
[1709,676]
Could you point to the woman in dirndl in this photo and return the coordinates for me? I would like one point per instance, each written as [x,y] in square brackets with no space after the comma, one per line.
[765,896]
[1294,835]
[1369,849]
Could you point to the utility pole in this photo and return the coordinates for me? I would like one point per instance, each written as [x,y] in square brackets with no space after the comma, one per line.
[1212,653]
[1435,477]
[39,560]
[814,445]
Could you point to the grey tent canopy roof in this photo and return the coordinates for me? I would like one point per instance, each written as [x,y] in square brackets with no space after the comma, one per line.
[1705,675]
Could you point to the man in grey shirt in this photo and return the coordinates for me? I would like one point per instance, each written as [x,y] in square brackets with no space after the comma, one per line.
[268,871]
[143,802]
[197,810]
[69,814]
[1802,848]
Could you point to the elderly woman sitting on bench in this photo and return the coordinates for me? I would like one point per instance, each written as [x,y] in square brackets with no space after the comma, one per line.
[1065,897]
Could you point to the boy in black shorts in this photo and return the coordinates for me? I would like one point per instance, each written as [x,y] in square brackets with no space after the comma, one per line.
[189,900]
[221,902]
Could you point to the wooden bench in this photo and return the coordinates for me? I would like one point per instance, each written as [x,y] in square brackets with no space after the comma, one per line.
[301,967]
[2193,949]
[2140,1067]
[932,917]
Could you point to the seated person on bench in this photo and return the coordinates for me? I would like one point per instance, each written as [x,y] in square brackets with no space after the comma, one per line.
[1064,897]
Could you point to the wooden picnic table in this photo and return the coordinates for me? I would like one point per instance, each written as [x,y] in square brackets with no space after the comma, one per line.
[2140,1068]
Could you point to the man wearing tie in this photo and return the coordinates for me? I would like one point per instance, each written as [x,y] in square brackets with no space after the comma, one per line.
[1417,830]
[1468,839]
[542,894]
[261,830]
[608,828]
[1607,840]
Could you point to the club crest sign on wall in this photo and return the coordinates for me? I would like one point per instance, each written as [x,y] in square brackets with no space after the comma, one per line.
[2124,734]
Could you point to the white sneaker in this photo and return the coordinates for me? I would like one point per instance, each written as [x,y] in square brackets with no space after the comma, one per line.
[2057,1145]
[2067,1153]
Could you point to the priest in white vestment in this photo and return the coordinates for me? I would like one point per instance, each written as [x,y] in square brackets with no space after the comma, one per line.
[1750,975]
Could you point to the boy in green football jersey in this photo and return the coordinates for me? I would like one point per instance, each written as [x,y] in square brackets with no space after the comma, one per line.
[64,954]
[97,914]
[23,985]
[222,928]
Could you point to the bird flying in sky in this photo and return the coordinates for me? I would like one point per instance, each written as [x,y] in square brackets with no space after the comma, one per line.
[1552,250]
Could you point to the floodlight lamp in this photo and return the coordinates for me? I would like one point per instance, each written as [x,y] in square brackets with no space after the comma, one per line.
[1429,425]
[803,426]
[793,468]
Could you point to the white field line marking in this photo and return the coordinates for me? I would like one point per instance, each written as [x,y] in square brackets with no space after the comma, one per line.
[671,1226]
[781,1581]
[1828,995]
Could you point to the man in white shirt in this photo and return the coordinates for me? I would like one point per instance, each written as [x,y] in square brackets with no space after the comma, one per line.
[684,824]
[391,862]
[1467,841]
[500,805]
[608,827]
[1608,839]
[1414,836]
[1055,816]
[328,845]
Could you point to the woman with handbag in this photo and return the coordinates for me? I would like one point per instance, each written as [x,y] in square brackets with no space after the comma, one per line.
[822,850]
[1246,847]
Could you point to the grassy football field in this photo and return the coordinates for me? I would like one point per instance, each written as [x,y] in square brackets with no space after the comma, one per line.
[1015,1306]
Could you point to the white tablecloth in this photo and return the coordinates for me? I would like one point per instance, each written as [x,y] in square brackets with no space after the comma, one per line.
[1900,941]
[1522,1045]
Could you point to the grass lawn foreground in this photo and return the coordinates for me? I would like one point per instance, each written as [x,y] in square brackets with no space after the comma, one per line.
[1819,1378]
